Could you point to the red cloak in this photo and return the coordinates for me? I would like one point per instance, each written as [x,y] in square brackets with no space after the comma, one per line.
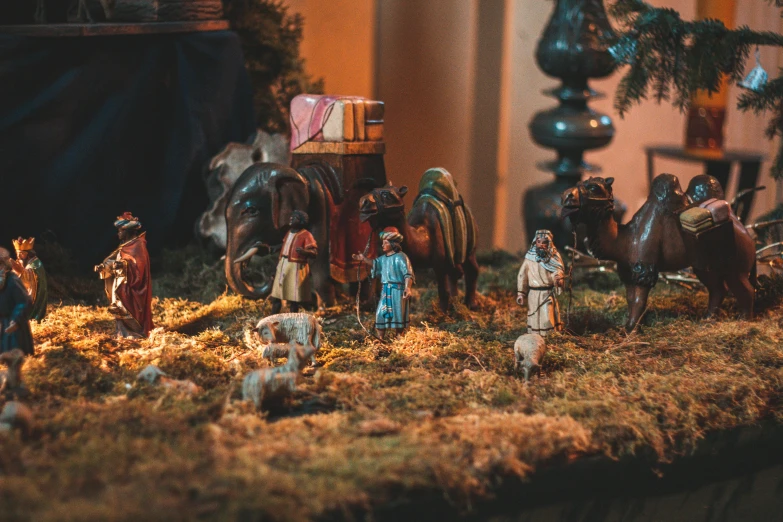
[136,292]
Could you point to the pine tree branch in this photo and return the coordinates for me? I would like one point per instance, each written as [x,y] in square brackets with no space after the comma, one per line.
[672,59]
[270,37]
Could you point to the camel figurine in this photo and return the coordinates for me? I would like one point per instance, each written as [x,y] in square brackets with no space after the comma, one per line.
[653,241]
[439,231]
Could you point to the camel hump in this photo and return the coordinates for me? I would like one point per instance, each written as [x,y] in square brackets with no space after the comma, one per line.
[438,190]
[441,183]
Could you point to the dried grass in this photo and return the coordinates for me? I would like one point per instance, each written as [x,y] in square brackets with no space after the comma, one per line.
[439,409]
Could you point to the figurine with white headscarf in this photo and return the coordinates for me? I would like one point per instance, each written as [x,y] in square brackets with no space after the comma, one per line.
[540,279]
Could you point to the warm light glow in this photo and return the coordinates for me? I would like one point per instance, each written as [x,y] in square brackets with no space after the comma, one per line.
[594,123]
[500,232]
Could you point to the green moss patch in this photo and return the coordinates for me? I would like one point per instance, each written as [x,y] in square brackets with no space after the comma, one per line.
[438,409]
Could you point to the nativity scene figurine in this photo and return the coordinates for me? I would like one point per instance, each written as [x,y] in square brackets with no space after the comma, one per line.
[671,231]
[330,170]
[15,306]
[292,278]
[127,282]
[540,279]
[30,271]
[394,270]
[439,231]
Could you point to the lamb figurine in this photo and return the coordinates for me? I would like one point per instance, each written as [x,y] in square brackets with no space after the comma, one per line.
[11,379]
[269,384]
[280,329]
[529,350]
[16,416]
[154,375]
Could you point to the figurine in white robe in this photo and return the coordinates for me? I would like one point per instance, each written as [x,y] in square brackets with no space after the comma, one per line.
[541,277]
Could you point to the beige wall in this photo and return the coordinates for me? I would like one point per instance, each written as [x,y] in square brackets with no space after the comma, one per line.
[646,124]
[425,78]
[460,95]
[339,43]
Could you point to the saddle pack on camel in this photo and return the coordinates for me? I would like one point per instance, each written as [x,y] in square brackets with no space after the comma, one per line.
[708,233]
[437,188]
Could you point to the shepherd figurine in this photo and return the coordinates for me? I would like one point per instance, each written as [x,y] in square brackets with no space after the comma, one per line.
[396,275]
[540,278]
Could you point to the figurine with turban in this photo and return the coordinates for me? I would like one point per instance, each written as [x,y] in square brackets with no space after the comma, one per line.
[29,269]
[396,274]
[127,282]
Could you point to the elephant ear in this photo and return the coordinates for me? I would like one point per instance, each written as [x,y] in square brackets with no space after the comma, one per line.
[291,192]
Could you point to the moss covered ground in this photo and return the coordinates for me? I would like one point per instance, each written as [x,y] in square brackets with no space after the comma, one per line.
[439,409]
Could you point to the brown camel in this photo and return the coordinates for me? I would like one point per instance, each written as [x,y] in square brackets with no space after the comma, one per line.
[653,242]
[439,232]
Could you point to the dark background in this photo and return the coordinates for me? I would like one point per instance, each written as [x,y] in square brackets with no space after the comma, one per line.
[91,127]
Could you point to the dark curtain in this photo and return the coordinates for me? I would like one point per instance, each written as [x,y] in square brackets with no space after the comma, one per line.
[91,127]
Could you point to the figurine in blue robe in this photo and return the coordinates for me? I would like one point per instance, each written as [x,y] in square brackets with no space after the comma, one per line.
[394,270]
[15,306]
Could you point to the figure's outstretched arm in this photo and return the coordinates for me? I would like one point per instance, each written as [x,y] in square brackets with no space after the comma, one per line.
[361,257]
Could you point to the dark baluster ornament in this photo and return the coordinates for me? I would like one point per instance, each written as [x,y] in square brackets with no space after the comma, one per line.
[572,48]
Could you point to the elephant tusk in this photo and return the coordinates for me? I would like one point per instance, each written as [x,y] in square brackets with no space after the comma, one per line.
[247,255]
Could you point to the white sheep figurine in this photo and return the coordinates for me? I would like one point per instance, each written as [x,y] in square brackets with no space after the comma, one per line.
[16,416]
[151,374]
[280,329]
[529,351]
[276,383]
[11,379]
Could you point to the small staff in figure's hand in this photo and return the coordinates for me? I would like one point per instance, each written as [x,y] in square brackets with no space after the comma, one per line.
[541,277]
[406,294]
[396,275]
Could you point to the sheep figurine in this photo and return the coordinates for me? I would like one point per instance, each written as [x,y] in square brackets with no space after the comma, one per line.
[269,384]
[11,378]
[16,416]
[154,375]
[529,350]
[280,329]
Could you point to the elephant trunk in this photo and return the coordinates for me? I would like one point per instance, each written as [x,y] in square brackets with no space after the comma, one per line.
[235,261]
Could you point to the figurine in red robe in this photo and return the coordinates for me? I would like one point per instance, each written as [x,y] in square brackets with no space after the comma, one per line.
[292,277]
[126,275]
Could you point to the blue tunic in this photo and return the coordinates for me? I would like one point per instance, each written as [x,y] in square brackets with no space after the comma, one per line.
[393,311]
[15,305]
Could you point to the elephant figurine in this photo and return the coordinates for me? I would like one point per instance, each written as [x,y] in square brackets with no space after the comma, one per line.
[331,170]
[224,170]
[258,211]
